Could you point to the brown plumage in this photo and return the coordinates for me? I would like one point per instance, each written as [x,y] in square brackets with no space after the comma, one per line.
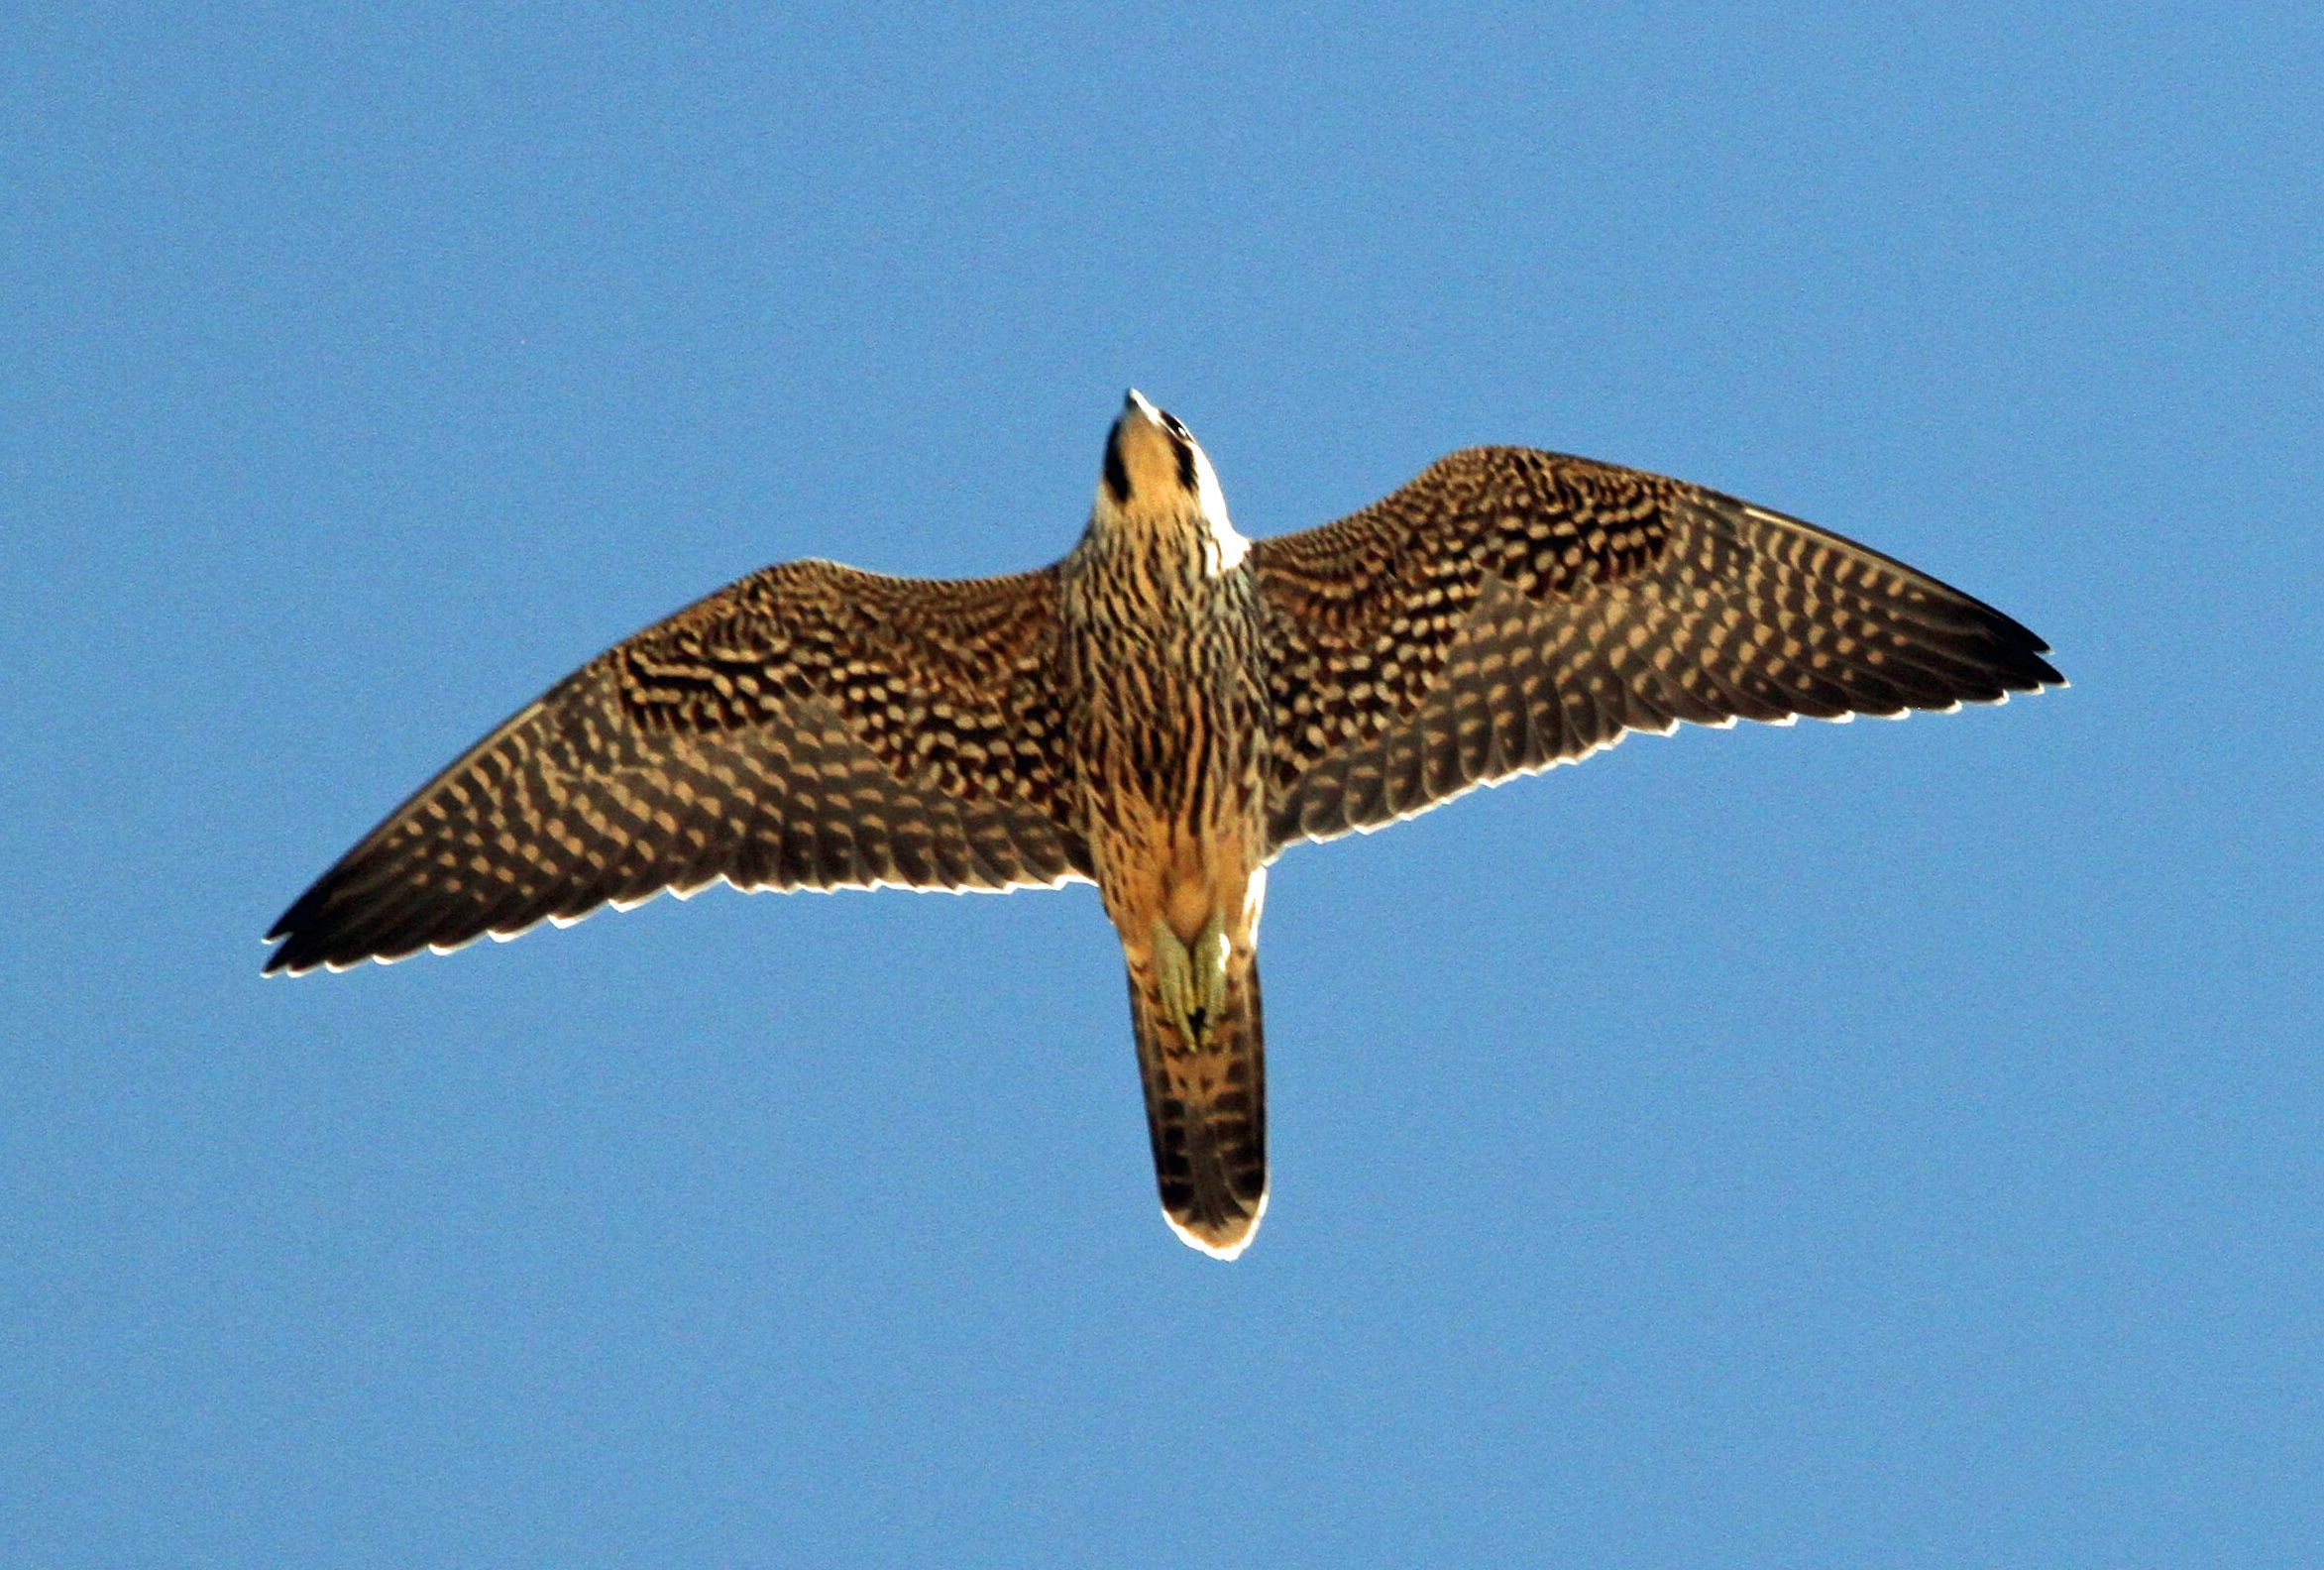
[1161,713]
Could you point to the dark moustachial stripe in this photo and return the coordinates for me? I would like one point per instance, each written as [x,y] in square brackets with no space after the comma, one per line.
[1117,472]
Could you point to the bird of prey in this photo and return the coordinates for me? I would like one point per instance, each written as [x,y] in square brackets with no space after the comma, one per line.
[1161,713]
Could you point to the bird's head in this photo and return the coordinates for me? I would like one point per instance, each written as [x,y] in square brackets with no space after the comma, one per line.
[1157,476]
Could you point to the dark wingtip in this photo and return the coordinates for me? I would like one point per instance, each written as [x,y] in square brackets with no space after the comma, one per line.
[302,941]
[2017,653]
[282,942]
[289,957]
[2033,671]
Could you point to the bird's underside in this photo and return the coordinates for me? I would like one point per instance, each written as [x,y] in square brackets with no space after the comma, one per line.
[816,726]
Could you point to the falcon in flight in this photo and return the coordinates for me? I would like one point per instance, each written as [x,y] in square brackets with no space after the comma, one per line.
[1160,713]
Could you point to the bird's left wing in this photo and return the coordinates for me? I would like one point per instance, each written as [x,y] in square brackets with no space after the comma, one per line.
[1509,610]
[810,725]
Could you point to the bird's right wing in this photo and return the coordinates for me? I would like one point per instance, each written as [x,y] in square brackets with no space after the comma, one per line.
[1509,610]
[811,725]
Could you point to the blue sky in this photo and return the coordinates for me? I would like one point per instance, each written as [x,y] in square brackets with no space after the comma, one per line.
[1882,1144]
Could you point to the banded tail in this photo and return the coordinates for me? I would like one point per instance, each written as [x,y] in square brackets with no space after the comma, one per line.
[1206,1108]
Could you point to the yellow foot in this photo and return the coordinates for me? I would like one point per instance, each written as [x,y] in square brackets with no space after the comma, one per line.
[1192,981]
